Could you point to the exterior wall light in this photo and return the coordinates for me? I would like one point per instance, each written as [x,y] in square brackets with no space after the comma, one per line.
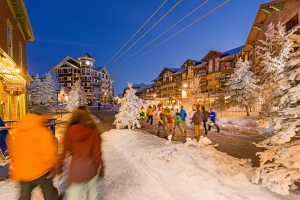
[3,57]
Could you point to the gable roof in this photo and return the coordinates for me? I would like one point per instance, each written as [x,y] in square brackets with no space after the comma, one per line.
[104,70]
[205,58]
[174,70]
[259,19]
[71,62]
[194,62]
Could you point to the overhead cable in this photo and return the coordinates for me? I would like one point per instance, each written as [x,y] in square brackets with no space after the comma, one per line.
[165,31]
[179,31]
[147,31]
[138,30]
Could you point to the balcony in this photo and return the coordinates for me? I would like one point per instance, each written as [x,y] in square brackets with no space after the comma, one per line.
[177,79]
[201,73]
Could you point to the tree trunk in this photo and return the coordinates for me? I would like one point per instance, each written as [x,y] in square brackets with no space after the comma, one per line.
[247,110]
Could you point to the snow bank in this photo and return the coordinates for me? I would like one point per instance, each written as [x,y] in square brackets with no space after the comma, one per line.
[149,167]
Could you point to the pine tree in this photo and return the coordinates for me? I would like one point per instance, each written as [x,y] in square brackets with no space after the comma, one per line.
[49,97]
[129,112]
[279,164]
[76,97]
[274,55]
[194,94]
[36,94]
[242,88]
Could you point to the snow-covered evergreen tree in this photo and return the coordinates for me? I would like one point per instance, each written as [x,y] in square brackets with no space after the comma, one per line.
[76,97]
[194,94]
[242,87]
[274,55]
[129,112]
[49,96]
[36,93]
[280,163]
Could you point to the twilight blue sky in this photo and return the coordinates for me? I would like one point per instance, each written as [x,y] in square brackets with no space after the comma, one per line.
[103,27]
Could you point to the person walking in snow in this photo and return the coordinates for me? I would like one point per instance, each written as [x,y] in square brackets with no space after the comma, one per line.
[142,116]
[173,112]
[197,120]
[82,142]
[33,153]
[177,122]
[150,114]
[168,120]
[183,117]
[213,117]
[161,122]
[205,118]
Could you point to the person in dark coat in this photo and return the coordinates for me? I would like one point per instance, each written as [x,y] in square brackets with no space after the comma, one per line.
[205,117]
[99,105]
[197,120]
[82,142]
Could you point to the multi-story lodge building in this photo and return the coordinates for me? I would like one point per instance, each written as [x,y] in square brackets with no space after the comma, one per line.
[97,83]
[15,32]
[216,67]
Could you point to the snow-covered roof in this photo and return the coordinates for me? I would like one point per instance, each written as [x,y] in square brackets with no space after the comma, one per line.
[179,70]
[156,79]
[144,86]
[200,65]
[232,52]
[172,69]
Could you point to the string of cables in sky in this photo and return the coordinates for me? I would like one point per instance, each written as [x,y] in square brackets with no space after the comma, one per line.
[131,58]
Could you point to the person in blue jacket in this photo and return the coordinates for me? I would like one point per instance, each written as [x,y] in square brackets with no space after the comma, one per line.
[183,117]
[213,116]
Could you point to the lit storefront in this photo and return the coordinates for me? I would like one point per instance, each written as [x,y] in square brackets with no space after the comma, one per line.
[12,90]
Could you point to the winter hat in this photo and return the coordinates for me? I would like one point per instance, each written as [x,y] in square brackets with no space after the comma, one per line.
[39,109]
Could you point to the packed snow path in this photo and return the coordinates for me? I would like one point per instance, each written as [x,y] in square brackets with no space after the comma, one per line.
[140,166]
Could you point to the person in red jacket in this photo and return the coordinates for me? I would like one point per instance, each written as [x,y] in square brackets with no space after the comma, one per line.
[82,142]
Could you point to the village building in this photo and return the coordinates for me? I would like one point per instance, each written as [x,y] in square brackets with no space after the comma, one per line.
[267,17]
[97,83]
[15,32]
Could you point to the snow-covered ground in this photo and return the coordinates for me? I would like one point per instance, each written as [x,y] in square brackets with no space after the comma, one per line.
[143,166]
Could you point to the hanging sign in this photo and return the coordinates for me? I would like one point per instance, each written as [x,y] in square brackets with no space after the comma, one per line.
[14,88]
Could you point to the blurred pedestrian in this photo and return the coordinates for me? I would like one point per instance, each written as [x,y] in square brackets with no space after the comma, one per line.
[205,118]
[150,114]
[83,143]
[142,116]
[213,117]
[177,122]
[183,117]
[33,153]
[168,120]
[161,122]
[99,105]
[197,120]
